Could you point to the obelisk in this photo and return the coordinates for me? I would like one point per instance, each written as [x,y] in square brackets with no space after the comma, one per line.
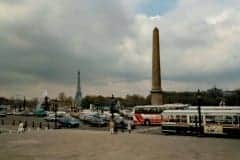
[156,92]
[78,96]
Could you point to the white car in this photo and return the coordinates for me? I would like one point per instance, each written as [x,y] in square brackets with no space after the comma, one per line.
[3,114]
[50,118]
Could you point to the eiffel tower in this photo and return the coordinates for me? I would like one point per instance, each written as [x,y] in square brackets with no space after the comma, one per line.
[78,96]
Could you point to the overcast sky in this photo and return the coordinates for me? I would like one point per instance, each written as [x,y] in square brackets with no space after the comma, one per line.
[45,42]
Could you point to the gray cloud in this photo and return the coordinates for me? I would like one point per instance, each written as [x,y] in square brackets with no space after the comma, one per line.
[44,43]
[50,41]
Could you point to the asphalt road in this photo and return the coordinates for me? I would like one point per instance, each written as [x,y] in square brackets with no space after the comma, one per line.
[100,145]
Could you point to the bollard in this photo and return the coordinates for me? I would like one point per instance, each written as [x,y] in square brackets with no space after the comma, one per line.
[40,125]
[48,126]
[13,122]
[33,125]
[25,124]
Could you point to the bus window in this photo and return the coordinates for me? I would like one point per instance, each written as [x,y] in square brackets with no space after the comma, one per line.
[136,110]
[177,118]
[159,110]
[227,120]
[147,110]
[152,110]
[219,119]
[236,120]
[214,119]
[172,119]
[210,119]
[193,119]
[139,110]
[183,119]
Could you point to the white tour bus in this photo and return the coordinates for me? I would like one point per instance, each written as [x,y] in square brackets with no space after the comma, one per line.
[215,107]
[224,122]
[151,114]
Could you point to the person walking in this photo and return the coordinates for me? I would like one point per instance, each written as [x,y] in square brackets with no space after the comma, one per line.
[111,126]
[20,128]
[129,125]
[122,125]
[25,125]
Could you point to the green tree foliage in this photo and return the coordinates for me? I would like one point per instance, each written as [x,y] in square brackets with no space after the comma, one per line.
[210,97]
[179,97]
[128,101]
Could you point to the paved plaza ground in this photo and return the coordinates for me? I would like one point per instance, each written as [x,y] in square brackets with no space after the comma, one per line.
[100,145]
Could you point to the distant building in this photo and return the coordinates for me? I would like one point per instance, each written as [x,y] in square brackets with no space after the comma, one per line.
[229,93]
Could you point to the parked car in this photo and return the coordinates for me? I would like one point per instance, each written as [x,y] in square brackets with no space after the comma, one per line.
[50,118]
[18,113]
[3,114]
[9,113]
[27,113]
[69,122]
[96,120]
[40,113]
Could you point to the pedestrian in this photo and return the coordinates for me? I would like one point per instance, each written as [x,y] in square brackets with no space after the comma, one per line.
[33,124]
[122,125]
[25,125]
[129,125]
[115,128]
[111,126]
[20,128]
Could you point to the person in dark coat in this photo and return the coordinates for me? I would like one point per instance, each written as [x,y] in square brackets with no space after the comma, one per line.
[122,125]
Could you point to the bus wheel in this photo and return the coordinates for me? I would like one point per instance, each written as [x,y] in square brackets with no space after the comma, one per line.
[147,123]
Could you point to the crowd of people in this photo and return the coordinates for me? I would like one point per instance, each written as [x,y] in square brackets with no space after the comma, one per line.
[113,128]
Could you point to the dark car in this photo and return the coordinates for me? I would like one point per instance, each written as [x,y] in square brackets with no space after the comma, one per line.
[95,120]
[121,122]
[3,114]
[69,122]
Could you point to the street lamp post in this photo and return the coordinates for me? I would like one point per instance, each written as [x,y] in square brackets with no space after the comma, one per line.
[24,103]
[112,106]
[46,103]
[55,111]
[199,101]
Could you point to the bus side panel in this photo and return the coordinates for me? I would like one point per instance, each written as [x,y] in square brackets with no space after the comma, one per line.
[233,131]
[138,119]
[156,120]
